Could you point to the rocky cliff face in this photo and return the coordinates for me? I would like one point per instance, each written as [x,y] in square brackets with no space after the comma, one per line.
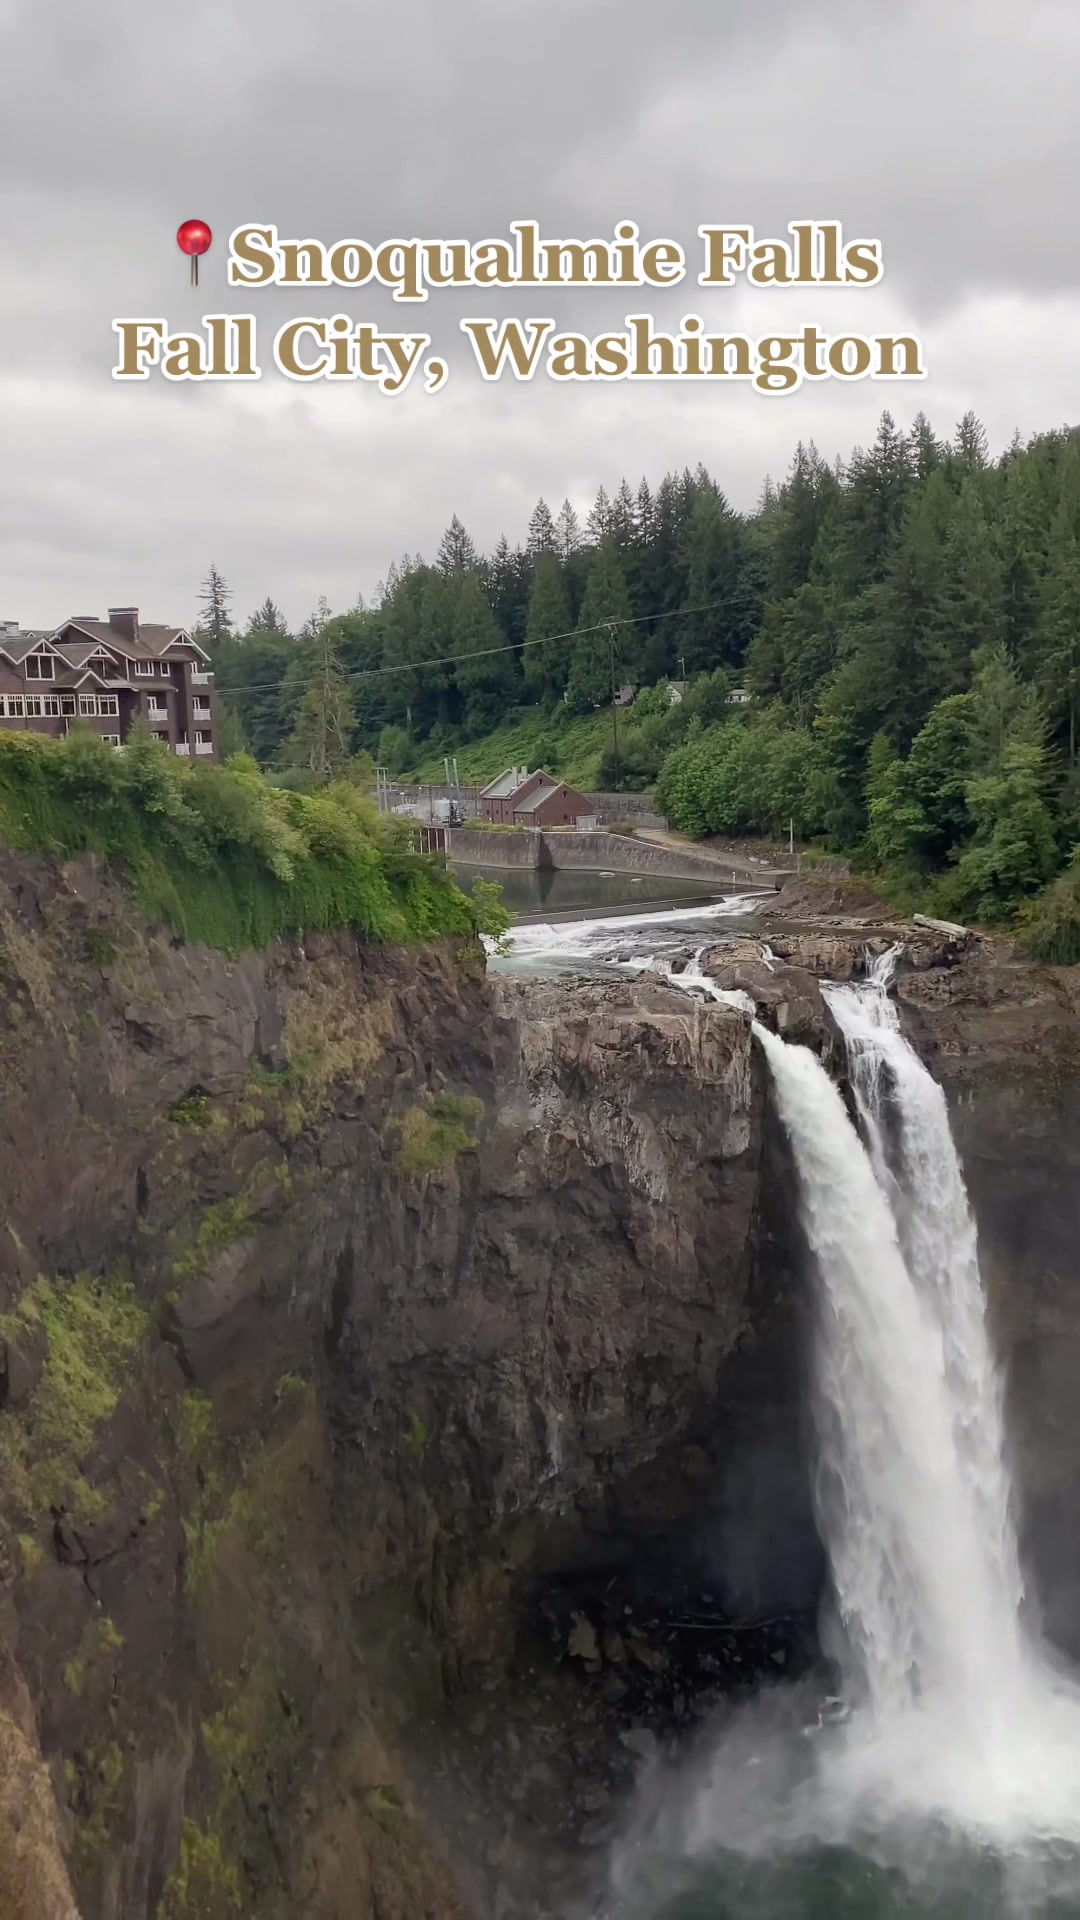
[345,1294]
[393,1360]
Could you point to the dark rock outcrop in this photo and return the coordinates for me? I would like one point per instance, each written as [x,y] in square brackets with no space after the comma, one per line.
[343,1294]
[394,1360]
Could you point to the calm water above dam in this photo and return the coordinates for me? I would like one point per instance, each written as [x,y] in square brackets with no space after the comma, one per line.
[561,891]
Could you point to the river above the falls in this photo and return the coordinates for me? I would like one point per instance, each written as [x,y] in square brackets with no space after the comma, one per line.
[579,921]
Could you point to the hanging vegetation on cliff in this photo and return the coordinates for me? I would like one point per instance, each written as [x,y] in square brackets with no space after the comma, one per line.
[220,855]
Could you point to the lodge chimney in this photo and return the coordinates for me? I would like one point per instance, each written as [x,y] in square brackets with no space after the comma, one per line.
[124,622]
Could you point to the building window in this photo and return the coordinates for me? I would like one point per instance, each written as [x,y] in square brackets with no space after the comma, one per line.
[87,703]
[67,703]
[157,706]
[203,740]
[201,704]
[39,666]
[108,704]
[145,669]
[15,706]
[33,706]
[111,739]
[52,706]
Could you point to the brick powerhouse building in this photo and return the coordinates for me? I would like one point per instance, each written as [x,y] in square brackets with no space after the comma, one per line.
[519,798]
[497,801]
[551,804]
[103,674]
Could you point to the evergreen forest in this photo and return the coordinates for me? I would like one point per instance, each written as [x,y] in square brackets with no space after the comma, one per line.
[907,624]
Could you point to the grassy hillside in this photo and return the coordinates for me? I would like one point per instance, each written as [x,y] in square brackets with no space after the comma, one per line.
[221,856]
[571,747]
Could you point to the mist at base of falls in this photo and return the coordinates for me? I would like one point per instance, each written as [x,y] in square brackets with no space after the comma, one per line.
[942,1778]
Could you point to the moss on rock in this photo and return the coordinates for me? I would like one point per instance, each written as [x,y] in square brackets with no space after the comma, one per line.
[88,1329]
[436,1130]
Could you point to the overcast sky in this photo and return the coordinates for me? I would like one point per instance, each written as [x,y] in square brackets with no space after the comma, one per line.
[948,129]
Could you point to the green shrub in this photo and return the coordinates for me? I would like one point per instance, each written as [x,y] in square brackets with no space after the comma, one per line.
[88,1330]
[435,1132]
[1050,928]
[218,854]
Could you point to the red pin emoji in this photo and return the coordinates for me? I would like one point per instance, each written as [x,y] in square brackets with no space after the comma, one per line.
[193,237]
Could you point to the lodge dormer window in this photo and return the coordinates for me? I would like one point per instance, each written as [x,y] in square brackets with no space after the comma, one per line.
[39,666]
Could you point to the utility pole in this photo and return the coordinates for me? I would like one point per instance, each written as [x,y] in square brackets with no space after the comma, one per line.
[791,835]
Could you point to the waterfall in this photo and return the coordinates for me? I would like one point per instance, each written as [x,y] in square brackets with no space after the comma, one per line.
[954,1712]
[953,1763]
[921,1173]
[918,1588]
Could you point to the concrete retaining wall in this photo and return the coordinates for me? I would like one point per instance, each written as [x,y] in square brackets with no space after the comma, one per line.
[603,853]
[480,849]
[613,852]
[636,807]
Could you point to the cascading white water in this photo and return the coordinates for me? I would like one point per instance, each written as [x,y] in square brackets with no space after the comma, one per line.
[917,1591]
[955,1713]
[938,1237]
[955,1764]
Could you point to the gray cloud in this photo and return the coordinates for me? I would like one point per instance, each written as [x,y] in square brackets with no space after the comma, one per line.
[948,131]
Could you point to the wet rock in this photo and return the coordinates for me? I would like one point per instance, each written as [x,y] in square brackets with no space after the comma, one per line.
[583,1643]
[594,1799]
[648,1657]
[787,998]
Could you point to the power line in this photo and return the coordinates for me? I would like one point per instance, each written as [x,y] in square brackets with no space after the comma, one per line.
[484,653]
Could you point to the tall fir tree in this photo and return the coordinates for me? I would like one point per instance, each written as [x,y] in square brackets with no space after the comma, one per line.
[542,537]
[547,654]
[215,599]
[709,635]
[568,540]
[267,619]
[457,553]
[485,668]
[969,604]
[971,450]
[622,525]
[927,452]
[321,740]
[598,523]
[1056,645]
[598,645]
[876,491]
